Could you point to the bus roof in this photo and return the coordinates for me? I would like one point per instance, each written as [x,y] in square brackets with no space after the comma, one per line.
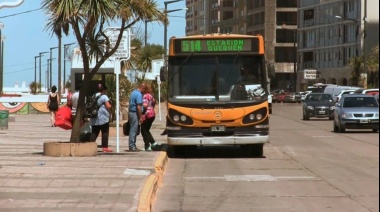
[217,35]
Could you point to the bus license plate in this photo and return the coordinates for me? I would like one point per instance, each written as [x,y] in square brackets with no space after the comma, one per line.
[218,128]
[363,120]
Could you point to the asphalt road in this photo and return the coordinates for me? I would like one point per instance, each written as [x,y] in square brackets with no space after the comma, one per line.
[306,167]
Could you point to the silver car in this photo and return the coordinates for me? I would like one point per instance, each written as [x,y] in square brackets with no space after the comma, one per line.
[356,111]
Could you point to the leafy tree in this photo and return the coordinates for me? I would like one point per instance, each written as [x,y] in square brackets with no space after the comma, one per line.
[373,68]
[35,87]
[357,64]
[88,21]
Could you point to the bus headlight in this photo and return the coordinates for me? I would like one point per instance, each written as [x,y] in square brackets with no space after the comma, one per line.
[183,118]
[259,116]
[176,118]
[252,116]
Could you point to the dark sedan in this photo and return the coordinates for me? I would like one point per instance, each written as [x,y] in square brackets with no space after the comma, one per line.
[319,105]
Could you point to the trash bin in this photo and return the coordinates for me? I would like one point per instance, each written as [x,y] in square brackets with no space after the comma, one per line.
[4,115]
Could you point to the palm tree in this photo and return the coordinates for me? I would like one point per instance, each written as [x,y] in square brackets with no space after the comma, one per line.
[88,21]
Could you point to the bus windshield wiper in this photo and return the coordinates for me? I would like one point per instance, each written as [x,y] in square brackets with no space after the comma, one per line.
[237,56]
[180,68]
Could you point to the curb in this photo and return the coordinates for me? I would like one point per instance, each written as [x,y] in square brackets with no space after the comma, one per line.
[152,184]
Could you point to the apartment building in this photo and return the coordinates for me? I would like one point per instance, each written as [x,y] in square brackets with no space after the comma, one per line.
[299,35]
[333,31]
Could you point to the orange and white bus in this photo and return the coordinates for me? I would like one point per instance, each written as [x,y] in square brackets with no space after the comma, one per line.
[216,87]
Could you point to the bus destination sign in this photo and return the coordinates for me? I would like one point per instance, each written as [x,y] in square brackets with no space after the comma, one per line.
[216,45]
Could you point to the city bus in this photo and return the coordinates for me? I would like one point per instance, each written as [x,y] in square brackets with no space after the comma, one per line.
[217,93]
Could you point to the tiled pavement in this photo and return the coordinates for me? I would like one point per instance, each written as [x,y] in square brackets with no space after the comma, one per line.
[30,181]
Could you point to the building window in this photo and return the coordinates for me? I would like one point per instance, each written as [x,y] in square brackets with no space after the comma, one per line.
[284,54]
[286,18]
[284,36]
[286,3]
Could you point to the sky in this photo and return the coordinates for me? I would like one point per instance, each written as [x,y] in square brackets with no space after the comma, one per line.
[26,36]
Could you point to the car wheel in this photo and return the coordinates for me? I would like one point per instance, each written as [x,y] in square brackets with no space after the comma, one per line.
[336,128]
[331,117]
[307,116]
[375,130]
[303,116]
[342,129]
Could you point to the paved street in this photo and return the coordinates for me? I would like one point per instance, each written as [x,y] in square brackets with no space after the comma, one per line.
[306,167]
[30,181]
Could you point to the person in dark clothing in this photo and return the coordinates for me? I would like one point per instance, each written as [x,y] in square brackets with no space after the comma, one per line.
[53,104]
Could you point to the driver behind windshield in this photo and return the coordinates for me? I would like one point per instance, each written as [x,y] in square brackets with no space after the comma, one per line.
[247,75]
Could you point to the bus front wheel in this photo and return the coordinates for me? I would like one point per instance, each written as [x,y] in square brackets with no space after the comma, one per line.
[257,150]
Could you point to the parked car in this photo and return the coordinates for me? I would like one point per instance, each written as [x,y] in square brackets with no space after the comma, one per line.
[293,97]
[371,91]
[319,105]
[303,94]
[340,88]
[356,111]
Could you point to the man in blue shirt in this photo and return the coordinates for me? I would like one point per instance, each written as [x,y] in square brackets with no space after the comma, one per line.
[135,114]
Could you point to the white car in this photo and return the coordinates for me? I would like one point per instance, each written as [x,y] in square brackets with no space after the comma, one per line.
[344,92]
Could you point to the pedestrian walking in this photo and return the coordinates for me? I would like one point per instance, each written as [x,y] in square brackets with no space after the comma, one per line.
[74,101]
[135,115]
[53,104]
[101,123]
[149,115]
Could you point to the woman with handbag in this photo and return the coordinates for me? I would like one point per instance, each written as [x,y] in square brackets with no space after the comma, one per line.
[149,115]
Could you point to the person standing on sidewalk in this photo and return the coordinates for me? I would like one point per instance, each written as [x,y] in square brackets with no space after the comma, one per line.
[53,104]
[74,101]
[102,121]
[135,114]
[149,115]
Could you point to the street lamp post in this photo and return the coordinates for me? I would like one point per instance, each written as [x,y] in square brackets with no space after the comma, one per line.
[49,72]
[41,54]
[146,32]
[65,49]
[50,67]
[1,60]
[35,68]
[166,22]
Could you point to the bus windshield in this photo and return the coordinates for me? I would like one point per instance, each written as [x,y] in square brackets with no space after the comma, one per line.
[208,78]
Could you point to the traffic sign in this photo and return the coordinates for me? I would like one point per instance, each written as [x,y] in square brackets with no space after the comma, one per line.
[124,49]
[310,74]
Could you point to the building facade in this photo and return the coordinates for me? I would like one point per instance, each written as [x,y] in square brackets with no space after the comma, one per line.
[331,32]
[299,35]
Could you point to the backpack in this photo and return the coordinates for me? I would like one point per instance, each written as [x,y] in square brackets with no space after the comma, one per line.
[92,106]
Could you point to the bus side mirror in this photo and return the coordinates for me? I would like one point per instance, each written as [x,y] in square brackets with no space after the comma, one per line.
[163,74]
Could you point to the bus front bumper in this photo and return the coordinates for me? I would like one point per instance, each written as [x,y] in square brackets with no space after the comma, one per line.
[215,141]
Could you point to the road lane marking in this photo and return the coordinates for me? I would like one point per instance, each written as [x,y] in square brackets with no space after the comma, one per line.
[247,178]
[139,172]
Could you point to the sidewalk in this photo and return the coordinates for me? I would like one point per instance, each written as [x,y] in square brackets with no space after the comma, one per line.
[30,181]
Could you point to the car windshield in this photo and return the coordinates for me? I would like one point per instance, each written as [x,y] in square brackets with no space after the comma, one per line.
[318,98]
[360,102]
